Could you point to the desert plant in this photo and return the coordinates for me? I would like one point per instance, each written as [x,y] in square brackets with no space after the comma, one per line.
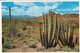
[32,44]
[53,32]
[23,27]
[48,33]
[10,21]
[29,32]
[4,50]
[66,35]
[12,27]
[19,34]
[8,44]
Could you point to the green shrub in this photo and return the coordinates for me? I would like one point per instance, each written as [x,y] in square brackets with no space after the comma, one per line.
[4,50]
[8,44]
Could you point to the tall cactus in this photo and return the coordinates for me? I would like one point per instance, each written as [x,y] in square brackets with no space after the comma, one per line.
[12,27]
[48,40]
[53,32]
[10,21]
[66,37]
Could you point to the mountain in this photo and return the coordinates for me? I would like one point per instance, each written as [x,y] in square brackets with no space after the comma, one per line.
[71,15]
[24,16]
[59,16]
[40,17]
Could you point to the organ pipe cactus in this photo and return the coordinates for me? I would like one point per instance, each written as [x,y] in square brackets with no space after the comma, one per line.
[48,36]
[66,35]
[53,32]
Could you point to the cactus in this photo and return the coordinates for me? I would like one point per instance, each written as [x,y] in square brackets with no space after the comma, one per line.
[56,33]
[10,21]
[49,37]
[12,27]
[66,36]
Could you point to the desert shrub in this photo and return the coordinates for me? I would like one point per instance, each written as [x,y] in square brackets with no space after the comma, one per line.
[41,50]
[5,30]
[35,21]
[75,23]
[4,50]
[28,41]
[24,28]
[19,34]
[24,41]
[25,35]
[32,44]
[29,22]
[8,44]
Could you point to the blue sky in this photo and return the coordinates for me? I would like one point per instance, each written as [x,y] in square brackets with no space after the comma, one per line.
[38,8]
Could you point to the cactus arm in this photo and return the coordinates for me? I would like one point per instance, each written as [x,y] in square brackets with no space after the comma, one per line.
[46,30]
[41,38]
[51,28]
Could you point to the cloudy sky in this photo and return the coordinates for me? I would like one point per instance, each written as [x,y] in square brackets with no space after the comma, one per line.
[38,8]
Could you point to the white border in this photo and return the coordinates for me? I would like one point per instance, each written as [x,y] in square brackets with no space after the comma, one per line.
[32,1]
[39,0]
[0,28]
[79,26]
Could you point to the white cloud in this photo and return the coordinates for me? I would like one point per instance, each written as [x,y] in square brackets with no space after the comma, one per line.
[4,12]
[38,10]
[57,12]
[76,9]
[14,11]
[52,3]
[68,9]
[34,11]
[17,11]
[4,7]
[24,4]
